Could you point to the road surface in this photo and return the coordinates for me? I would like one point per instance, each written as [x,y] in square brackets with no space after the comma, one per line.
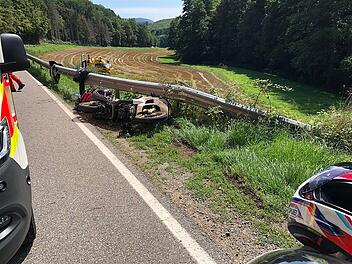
[86,211]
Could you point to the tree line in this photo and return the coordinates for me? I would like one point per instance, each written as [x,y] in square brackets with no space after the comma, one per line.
[76,21]
[308,40]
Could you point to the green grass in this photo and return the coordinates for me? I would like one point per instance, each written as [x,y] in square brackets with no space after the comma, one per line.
[302,102]
[43,48]
[169,59]
[66,88]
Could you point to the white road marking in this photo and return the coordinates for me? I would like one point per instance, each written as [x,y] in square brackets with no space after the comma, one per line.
[193,248]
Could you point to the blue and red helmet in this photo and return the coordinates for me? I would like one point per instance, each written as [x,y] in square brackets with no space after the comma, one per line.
[320,213]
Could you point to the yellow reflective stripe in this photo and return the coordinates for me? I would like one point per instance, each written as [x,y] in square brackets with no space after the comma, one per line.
[14,142]
[1,92]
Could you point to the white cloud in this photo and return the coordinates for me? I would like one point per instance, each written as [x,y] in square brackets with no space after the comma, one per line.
[149,12]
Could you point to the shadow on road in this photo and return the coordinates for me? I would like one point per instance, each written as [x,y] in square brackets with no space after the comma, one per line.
[21,254]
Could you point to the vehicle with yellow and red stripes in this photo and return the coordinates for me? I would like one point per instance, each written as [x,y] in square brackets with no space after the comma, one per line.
[17,226]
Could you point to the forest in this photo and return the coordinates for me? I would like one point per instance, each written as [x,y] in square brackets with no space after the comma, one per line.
[306,40]
[75,21]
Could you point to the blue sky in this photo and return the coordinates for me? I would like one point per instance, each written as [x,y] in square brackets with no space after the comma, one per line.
[152,9]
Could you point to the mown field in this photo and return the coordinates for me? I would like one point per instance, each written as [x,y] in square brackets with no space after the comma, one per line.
[134,63]
[251,168]
[286,97]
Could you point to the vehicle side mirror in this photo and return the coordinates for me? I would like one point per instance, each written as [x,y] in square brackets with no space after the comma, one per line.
[13,55]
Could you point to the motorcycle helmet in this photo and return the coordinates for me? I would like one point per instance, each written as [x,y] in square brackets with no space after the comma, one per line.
[320,213]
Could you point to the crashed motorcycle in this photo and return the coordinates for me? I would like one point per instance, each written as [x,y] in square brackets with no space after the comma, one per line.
[103,104]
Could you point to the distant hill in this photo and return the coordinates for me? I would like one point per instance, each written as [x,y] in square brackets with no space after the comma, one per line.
[161,30]
[141,20]
[161,24]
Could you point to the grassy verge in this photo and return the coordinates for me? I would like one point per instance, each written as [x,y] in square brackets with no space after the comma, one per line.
[289,98]
[251,168]
[66,88]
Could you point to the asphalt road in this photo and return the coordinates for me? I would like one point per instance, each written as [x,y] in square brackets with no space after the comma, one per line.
[86,212]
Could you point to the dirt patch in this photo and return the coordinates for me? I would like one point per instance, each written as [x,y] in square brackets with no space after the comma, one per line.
[240,185]
[142,65]
[186,149]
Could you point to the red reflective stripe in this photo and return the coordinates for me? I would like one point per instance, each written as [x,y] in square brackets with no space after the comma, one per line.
[14,118]
[6,112]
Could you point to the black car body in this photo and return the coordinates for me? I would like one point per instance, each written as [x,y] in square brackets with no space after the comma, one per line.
[297,256]
[16,218]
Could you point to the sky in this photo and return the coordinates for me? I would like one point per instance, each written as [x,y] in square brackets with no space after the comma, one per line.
[152,9]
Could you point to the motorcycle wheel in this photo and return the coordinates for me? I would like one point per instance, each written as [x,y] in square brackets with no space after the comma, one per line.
[146,117]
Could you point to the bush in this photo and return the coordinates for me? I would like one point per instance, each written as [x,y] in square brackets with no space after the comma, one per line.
[336,129]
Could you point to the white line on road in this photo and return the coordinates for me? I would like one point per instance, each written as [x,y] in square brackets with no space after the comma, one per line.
[193,248]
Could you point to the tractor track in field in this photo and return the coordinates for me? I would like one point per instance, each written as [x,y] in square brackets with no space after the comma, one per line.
[142,65]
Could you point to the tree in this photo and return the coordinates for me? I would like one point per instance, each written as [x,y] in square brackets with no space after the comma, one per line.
[56,22]
[225,31]
[174,34]
[195,23]
[78,21]
[307,40]
[249,34]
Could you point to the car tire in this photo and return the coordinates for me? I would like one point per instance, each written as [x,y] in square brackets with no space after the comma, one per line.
[32,232]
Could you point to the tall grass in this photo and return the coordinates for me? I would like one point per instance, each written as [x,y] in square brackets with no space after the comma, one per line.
[270,161]
[336,128]
[251,167]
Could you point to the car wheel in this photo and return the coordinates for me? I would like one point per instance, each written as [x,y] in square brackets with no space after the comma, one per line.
[32,232]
